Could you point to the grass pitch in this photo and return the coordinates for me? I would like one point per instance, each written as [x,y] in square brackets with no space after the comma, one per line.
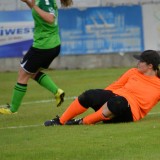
[23,136]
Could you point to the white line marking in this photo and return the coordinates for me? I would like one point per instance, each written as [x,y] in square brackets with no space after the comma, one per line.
[34,102]
[43,101]
[16,127]
[47,101]
[153,113]
[38,125]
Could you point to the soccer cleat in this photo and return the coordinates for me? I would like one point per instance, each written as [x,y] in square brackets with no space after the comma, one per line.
[74,122]
[56,121]
[53,122]
[59,96]
[5,110]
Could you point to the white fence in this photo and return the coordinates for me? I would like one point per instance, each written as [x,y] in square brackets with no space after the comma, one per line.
[18,5]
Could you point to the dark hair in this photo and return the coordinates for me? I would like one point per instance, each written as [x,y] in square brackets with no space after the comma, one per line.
[150,57]
[66,3]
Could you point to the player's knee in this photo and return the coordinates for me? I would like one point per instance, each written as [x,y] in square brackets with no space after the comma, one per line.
[84,99]
[118,105]
[106,112]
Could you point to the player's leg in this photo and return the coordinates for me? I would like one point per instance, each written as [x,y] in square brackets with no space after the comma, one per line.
[45,81]
[91,98]
[45,59]
[118,109]
[20,87]
[115,110]
[29,68]
[74,109]
[95,98]
[98,97]
[94,117]
[19,90]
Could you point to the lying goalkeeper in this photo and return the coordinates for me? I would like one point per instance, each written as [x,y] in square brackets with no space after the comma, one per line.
[128,99]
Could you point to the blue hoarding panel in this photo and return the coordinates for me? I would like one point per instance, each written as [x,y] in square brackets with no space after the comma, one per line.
[91,31]
[101,30]
[16,32]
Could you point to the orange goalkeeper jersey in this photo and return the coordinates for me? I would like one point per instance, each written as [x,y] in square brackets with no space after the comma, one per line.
[141,91]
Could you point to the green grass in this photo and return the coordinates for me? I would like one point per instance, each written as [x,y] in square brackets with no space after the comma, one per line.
[23,136]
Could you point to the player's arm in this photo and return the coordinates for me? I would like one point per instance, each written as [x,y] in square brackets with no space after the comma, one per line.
[46,16]
[121,81]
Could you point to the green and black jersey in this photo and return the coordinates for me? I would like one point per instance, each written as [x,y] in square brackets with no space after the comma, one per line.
[46,35]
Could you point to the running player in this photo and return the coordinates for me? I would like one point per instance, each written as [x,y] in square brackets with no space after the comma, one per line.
[128,99]
[45,48]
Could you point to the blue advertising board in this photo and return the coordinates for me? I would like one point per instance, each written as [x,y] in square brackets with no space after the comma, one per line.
[102,30]
[16,32]
[94,30]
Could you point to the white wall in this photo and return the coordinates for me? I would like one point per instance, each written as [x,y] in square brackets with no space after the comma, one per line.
[151,17]
[8,5]
[18,5]
[151,21]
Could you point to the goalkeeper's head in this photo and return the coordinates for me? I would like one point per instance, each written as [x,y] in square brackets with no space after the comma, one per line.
[150,57]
